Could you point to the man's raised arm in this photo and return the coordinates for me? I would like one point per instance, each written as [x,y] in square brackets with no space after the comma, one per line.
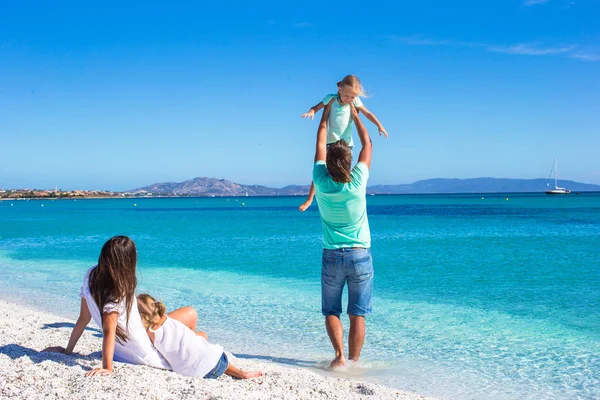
[365,140]
[321,150]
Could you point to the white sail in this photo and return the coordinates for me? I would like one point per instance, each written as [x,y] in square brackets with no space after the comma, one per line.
[556,190]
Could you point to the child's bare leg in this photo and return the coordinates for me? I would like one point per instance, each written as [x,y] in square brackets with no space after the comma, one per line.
[186,315]
[200,333]
[189,317]
[309,199]
[238,373]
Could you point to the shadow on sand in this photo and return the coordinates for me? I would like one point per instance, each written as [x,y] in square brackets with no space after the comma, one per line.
[16,351]
[281,360]
[97,332]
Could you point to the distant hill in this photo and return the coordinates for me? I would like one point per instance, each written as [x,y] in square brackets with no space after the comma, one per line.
[478,185]
[222,187]
[207,187]
[293,190]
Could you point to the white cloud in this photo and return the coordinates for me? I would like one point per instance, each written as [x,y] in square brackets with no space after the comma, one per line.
[534,2]
[527,49]
[420,40]
[530,49]
[585,56]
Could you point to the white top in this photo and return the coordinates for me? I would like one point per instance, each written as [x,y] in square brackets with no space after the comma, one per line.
[339,125]
[138,348]
[187,353]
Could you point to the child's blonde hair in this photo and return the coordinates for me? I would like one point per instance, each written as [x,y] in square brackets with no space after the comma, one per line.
[352,82]
[150,309]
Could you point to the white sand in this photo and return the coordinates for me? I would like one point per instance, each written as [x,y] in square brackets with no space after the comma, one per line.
[28,373]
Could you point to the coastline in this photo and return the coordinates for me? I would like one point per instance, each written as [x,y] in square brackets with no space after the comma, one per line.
[26,372]
[582,193]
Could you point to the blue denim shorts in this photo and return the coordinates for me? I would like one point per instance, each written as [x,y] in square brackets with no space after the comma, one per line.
[347,266]
[219,369]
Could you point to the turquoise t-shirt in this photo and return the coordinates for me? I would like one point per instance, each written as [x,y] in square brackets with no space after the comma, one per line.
[343,207]
[339,125]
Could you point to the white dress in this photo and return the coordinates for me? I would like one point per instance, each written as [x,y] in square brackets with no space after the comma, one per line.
[187,353]
[138,348]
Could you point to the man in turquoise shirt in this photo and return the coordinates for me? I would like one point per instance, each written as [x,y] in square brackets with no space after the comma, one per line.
[341,196]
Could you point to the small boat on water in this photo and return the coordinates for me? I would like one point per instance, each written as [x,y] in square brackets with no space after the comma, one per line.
[556,190]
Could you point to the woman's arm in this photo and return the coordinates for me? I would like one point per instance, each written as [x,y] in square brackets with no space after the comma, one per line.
[82,322]
[371,117]
[109,334]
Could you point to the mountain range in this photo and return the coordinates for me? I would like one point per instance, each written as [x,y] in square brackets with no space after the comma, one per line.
[221,187]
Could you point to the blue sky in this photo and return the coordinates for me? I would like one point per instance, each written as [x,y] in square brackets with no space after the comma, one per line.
[117,95]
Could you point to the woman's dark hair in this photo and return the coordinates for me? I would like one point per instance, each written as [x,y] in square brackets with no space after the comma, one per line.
[114,280]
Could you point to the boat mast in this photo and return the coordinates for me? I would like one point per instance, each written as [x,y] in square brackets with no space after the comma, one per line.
[556,172]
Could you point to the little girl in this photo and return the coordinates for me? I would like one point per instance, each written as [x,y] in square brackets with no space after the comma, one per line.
[339,125]
[107,296]
[188,352]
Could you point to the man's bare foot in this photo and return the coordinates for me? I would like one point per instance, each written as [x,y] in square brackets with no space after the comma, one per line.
[305,205]
[337,362]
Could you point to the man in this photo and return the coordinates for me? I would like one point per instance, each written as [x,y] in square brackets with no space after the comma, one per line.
[341,196]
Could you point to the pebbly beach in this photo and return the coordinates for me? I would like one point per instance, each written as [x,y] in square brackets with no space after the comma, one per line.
[26,372]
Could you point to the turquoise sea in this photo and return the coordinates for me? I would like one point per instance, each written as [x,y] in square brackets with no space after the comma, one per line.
[493,297]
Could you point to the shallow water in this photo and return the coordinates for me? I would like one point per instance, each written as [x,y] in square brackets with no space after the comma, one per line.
[474,297]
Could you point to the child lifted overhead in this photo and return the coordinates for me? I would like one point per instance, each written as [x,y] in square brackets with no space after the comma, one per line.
[188,352]
[339,124]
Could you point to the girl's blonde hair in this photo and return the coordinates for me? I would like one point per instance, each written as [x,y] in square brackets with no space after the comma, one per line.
[352,82]
[150,309]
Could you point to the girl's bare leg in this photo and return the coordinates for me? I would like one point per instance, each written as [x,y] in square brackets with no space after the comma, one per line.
[238,373]
[189,317]
[309,199]
[203,334]
[186,315]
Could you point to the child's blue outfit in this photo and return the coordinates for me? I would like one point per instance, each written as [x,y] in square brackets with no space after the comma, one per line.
[339,125]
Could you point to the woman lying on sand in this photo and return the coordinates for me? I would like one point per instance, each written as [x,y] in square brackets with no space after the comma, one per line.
[108,296]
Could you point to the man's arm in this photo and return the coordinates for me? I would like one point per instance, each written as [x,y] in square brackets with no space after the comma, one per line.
[371,117]
[321,149]
[365,140]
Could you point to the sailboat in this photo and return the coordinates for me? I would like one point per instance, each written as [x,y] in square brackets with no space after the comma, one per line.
[556,190]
